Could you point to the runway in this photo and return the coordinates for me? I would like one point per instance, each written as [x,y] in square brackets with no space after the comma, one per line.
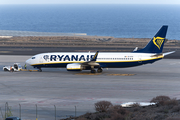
[69,89]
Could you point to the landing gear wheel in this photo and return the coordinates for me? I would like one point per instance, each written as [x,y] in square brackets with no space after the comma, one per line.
[99,70]
[40,70]
[5,69]
[93,71]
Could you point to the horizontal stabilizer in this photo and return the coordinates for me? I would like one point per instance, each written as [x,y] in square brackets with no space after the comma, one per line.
[168,53]
[135,49]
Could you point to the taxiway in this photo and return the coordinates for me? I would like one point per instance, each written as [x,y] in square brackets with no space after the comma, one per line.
[69,89]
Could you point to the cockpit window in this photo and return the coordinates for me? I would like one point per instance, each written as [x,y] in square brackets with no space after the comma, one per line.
[33,57]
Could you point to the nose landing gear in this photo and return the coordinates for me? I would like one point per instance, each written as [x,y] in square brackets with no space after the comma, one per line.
[40,70]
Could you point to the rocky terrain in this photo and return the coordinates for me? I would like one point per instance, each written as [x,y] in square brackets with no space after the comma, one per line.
[165,108]
[34,45]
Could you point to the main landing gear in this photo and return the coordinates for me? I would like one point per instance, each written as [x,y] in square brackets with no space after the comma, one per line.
[93,71]
[99,70]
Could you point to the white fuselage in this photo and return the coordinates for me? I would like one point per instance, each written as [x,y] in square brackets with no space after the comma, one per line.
[105,59]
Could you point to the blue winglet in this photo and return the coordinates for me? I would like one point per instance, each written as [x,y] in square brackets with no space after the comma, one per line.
[95,56]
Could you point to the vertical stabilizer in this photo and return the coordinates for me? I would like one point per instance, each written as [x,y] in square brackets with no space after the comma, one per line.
[157,42]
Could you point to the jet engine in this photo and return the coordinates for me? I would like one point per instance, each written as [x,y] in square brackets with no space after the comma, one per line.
[74,67]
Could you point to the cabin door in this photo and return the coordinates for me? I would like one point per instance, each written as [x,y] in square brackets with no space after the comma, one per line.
[140,59]
[41,60]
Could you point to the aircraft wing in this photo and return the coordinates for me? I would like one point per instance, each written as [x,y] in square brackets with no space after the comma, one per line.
[85,65]
[92,62]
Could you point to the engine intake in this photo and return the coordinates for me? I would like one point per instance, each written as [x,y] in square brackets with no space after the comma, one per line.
[74,67]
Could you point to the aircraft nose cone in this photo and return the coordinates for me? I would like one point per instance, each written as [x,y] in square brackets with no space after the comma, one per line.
[28,62]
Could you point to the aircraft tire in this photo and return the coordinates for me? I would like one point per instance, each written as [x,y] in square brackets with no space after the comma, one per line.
[5,69]
[99,70]
[93,71]
[40,70]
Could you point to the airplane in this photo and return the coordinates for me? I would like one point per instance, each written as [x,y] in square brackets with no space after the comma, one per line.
[77,61]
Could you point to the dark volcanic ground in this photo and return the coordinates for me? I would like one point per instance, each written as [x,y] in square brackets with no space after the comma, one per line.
[36,50]
[35,45]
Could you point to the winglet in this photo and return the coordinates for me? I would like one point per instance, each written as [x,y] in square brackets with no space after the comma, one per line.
[95,56]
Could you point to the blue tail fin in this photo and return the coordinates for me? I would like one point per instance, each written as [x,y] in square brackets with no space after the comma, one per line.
[157,42]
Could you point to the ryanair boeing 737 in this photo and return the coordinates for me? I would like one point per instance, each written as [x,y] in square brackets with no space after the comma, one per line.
[77,61]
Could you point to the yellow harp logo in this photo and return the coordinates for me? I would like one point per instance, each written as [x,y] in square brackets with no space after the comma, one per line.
[158,41]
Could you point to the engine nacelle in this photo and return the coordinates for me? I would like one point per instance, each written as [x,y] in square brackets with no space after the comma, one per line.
[74,67]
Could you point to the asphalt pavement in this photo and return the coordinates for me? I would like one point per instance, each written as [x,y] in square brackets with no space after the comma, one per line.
[66,89]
